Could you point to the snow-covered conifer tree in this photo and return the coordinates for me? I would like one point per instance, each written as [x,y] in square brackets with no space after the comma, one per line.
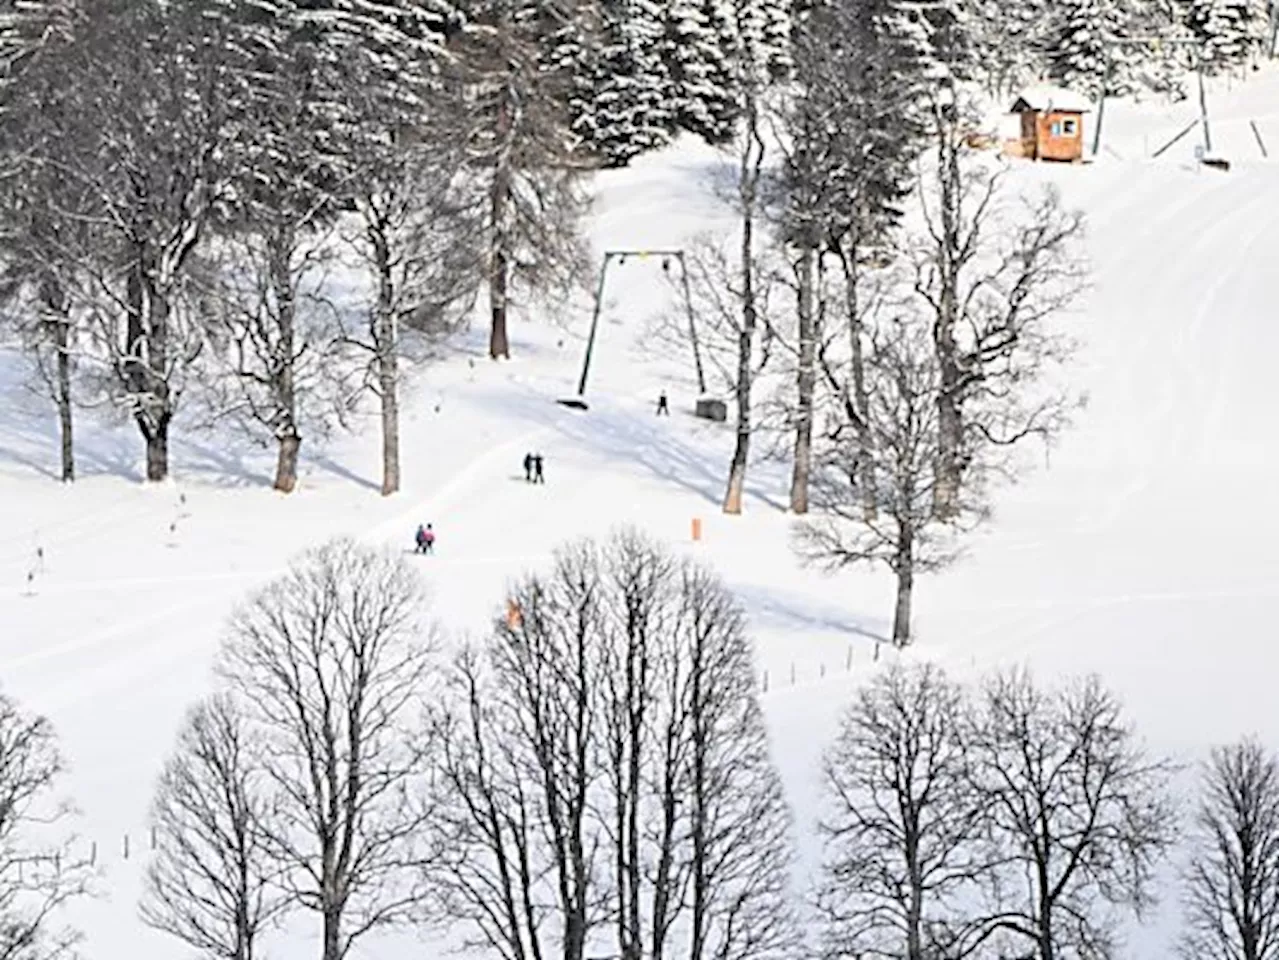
[1229,32]
[706,45]
[620,105]
[695,51]
[1080,52]
[513,64]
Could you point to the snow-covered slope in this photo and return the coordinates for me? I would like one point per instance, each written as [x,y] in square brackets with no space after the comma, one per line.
[1146,550]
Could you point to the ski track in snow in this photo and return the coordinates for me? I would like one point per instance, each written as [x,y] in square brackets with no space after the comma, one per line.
[151,658]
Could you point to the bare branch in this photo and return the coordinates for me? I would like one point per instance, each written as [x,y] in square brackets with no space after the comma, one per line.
[332,663]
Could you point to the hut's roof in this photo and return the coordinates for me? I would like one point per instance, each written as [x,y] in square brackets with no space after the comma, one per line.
[1043,98]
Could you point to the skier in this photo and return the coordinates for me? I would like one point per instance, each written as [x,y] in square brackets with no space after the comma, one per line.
[528,468]
[663,409]
[425,539]
[537,469]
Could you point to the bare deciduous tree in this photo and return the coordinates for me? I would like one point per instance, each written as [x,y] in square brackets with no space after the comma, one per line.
[418,239]
[750,200]
[274,337]
[1079,815]
[736,344]
[992,275]
[738,853]
[608,770]
[908,534]
[150,128]
[272,327]
[903,836]
[210,879]
[39,874]
[1231,892]
[332,661]
[43,215]
[522,758]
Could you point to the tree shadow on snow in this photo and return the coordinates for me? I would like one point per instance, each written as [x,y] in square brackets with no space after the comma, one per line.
[218,465]
[326,463]
[653,444]
[33,444]
[791,610]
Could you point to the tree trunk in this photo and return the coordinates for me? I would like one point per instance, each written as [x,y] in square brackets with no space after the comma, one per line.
[857,377]
[741,449]
[698,828]
[385,340]
[387,373]
[1046,945]
[158,402]
[749,178]
[140,356]
[64,404]
[500,244]
[947,488]
[332,934]
[637,710]
[915,904]
[59,326]
[157,437]
[904,568]
[287,463]
[665,902]
[243,945]
[286,401]
[135,340]
[802,458]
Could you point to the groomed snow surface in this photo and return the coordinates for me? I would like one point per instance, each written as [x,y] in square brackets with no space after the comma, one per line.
[1145,550]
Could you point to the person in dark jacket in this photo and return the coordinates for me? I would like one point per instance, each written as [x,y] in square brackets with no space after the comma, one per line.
[663,409]
[537,469]
[528,468]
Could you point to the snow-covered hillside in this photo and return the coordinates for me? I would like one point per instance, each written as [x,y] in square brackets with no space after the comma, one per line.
[1145,550]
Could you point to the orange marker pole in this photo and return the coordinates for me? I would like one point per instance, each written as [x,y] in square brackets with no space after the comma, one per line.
[696,528]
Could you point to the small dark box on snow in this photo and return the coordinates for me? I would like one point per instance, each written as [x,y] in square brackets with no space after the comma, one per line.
[708,408]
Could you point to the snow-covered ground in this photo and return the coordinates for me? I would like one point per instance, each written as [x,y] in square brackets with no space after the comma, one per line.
[1146,550]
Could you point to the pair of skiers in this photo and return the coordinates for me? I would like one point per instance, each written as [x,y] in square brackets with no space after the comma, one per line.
[424,539]
[533,468]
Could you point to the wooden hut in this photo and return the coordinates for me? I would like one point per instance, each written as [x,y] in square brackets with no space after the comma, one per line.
[1052,124]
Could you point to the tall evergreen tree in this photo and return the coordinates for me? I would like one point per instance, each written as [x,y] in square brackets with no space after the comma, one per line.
[696,52]
[1081,56]
[512,63]
[1229,32]
[862,77]
[619,105]
[708,48]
